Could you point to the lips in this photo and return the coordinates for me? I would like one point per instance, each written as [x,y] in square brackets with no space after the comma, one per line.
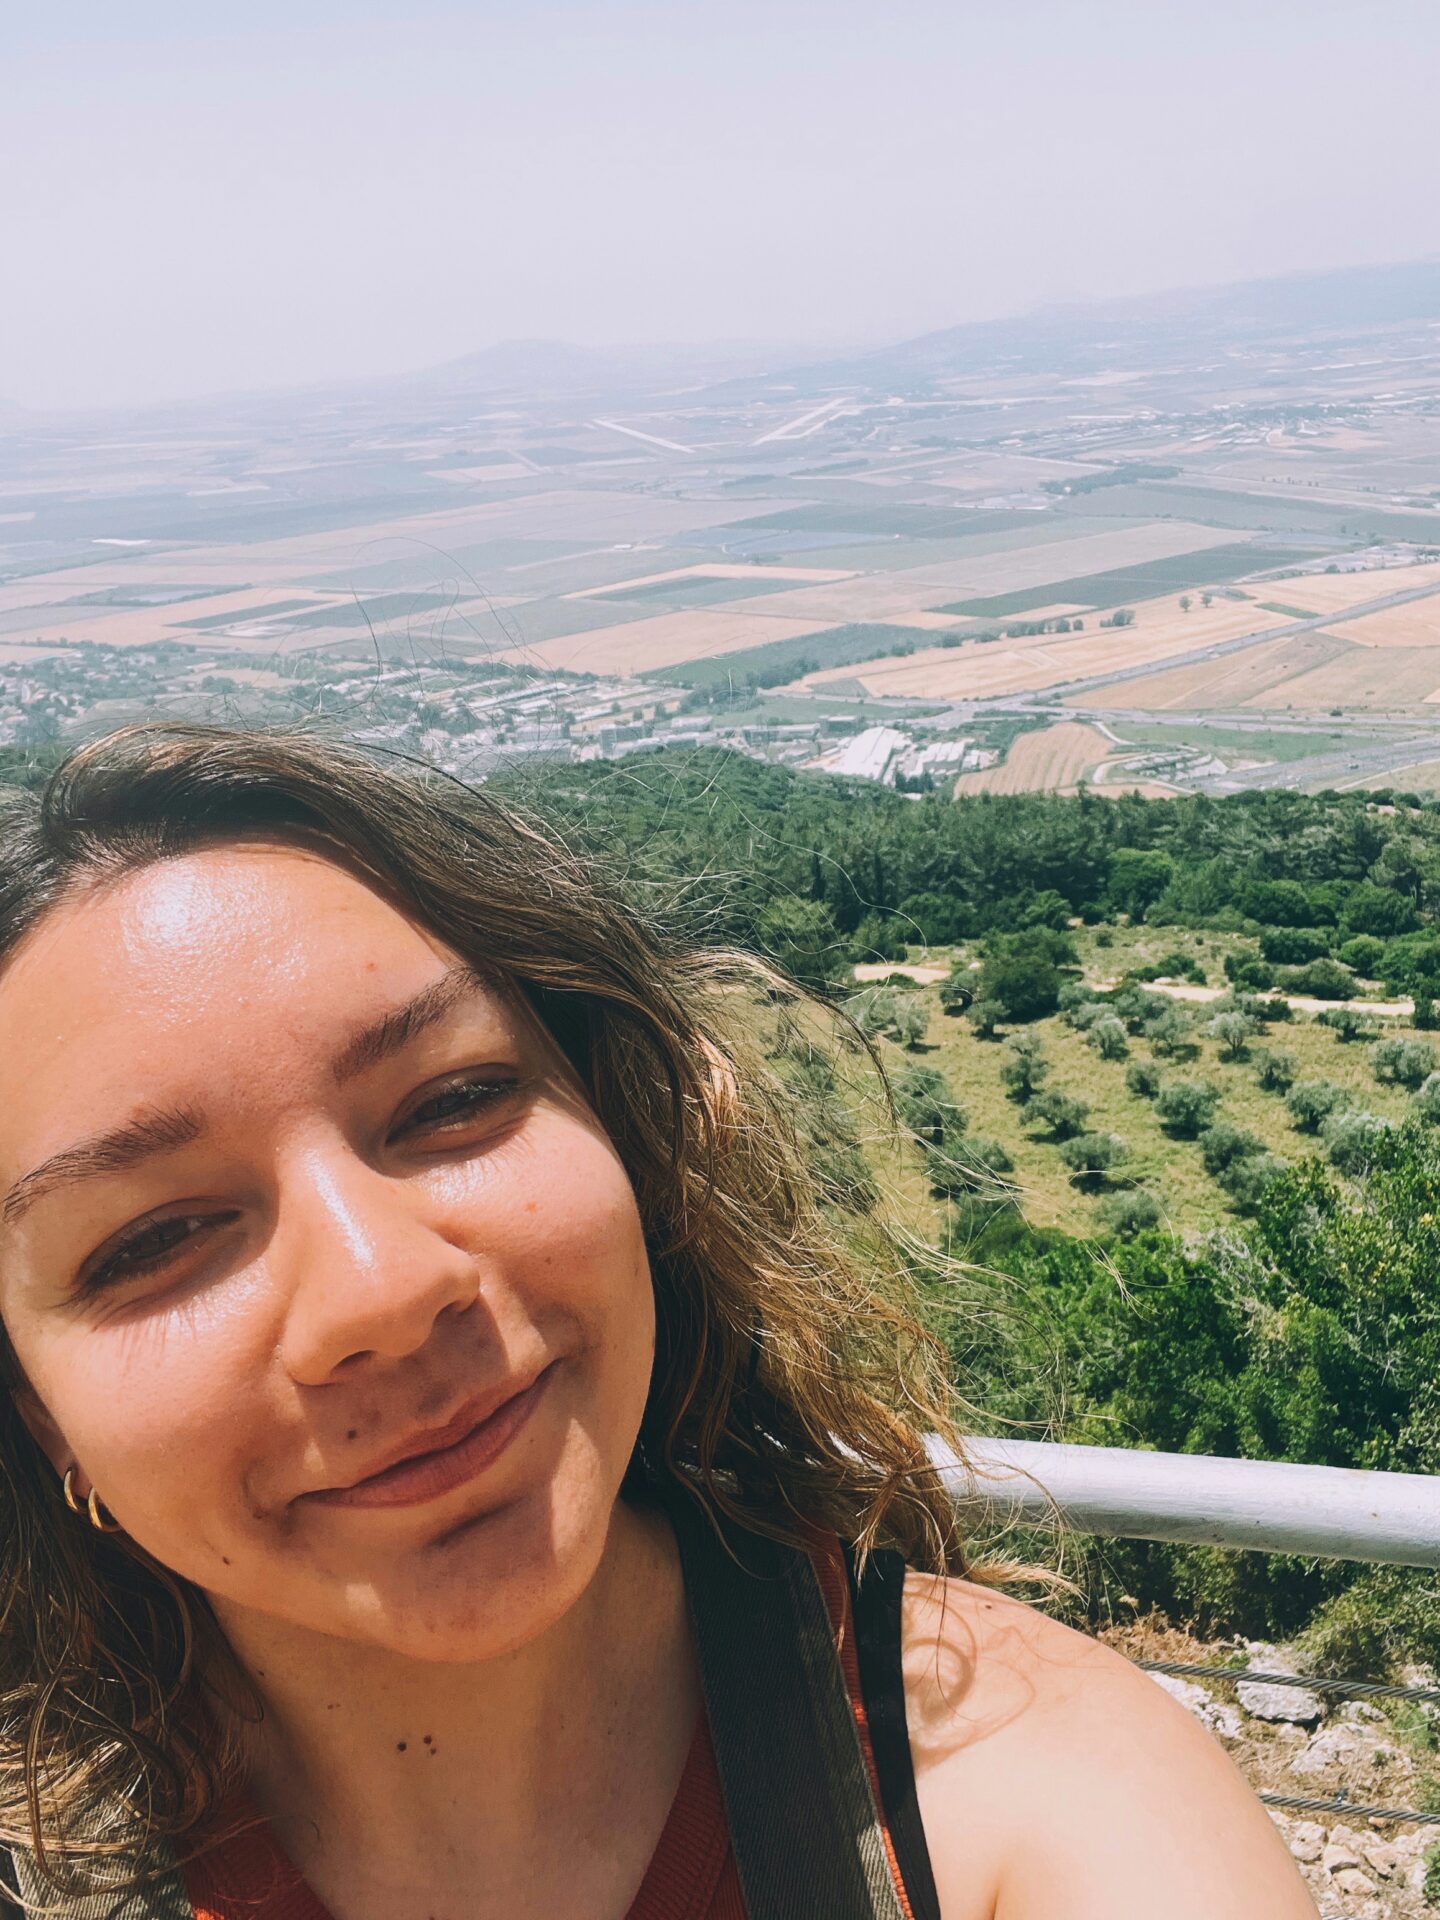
[432,1463]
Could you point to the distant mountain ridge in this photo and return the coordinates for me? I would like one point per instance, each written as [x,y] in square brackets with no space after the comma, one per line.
[1093,333]
[544,367]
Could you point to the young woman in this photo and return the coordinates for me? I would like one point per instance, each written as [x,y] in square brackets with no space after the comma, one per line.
[441,1424]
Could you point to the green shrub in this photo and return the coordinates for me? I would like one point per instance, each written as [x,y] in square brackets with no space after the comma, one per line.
[1171,1033]
[1311,1103]
[1276,1071]
[1246,1180]
[1060,1114]
[1402,1063]
[1363,952]
[957,989]
[1353,1139]
[1431,1883]
[1142,1078]
[1022,971]
[879,937]
[974,1165]
[1293,946]
[1426,1104]
[1247,969]
[1348,1023]
[1126,1214]
[926,1104]
[1321,980]
[1107,1036]
[1233,1032]
[1222,1144]
[1024,1069]
[1091,1157]
[1186,1107]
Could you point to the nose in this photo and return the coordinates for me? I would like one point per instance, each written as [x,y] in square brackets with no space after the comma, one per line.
[369,1266]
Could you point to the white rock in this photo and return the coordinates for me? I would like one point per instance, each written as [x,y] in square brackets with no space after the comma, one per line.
[1334,1745]
[1307,1842]
[1215,1714]
[1295,1706]
[1352,1880]
[1339,1857]
[1382,1855]
[1361,1713]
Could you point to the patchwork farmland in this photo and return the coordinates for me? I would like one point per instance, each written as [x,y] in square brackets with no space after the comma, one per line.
[916,566]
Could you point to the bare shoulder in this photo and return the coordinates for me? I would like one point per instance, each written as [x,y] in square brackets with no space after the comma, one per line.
[1055,1778]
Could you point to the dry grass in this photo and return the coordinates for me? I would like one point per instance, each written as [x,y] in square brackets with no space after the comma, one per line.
[1414,625]
[1251,678]
[719,571]
[1335,592]
[1045,761]
[1371,677]
[635,645]
[888,595]
[1161,628]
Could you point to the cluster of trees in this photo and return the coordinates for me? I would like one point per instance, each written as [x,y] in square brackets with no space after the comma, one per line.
[1313,1335]
[884,870]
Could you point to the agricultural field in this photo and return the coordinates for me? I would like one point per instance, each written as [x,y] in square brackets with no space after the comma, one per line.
[1337,592]
[1415,625]
[1223,561]
[1051,760]
[851,532]
[640,646]
[1261,676]
[1162,627]
[1235,744]
[776,660]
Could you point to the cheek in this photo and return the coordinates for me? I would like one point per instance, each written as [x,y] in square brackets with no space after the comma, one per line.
[568,1231]
[151,1412]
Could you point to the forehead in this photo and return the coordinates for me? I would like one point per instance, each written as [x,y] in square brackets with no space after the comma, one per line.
[220,961]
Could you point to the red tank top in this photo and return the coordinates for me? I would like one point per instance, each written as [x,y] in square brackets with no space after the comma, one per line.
[691,1875]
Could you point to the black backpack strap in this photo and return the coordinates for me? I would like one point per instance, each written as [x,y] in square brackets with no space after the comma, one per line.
[875,1602]
[807,1835]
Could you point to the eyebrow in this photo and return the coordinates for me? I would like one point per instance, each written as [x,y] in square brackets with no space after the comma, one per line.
[157,1130]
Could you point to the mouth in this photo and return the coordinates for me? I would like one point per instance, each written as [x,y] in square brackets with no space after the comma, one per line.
[445,1459]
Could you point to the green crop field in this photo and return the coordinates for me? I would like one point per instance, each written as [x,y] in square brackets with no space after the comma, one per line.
[694,590]
[1293,613]
[780,660]
[1173,574]
[1250,743]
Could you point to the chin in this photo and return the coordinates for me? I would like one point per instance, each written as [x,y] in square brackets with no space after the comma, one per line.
[489,1585]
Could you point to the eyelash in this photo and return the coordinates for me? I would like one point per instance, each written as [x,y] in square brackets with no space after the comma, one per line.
[476,1094]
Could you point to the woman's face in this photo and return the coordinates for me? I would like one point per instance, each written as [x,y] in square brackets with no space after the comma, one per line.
[288,1198]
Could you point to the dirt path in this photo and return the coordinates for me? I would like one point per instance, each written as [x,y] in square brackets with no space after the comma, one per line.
[888,969]
[1300,1002]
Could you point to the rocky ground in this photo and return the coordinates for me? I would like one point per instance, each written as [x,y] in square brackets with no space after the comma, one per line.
[1290,1740]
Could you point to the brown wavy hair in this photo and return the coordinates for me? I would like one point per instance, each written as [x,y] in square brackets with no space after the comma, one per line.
[793,1386]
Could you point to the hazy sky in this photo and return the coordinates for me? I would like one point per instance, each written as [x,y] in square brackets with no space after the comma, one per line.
[197,197]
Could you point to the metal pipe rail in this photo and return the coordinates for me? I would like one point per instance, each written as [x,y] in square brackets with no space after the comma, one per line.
[1334,1513]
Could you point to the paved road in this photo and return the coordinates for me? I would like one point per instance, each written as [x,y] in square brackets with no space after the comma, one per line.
[1067,689]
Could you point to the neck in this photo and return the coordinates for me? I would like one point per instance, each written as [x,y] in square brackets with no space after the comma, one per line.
[362,1755]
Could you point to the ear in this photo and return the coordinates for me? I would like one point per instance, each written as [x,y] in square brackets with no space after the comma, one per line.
[42,1429]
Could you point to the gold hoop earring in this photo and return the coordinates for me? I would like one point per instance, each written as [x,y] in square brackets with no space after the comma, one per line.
[91,1508]
[101,1517]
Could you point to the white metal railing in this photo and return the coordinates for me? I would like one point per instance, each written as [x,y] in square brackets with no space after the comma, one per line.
[1336,1513]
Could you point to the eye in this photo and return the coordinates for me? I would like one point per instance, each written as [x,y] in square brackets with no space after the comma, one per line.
[450,1108]
[148,1247]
